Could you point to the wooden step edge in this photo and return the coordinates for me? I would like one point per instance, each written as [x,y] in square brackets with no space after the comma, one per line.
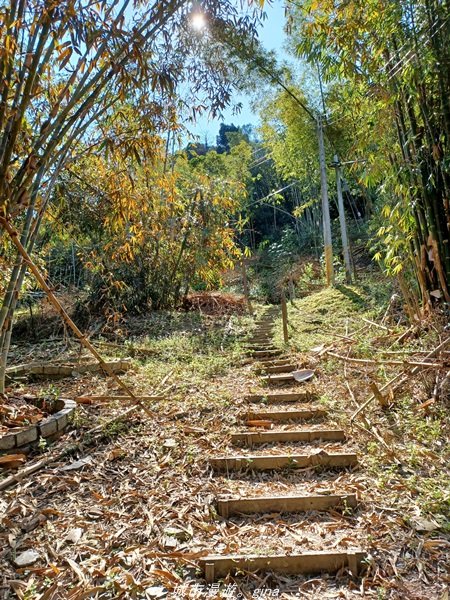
[281,461]
[278,369]
[250,438]
[288,415]
[308,563]
[273,362]
[283,504]
[279,398]
[261,353]
[278,378]
[260,347]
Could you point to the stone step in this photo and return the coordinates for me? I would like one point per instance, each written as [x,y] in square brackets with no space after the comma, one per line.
[285,415]
[251,438]
[307,563]
[279,504]
[264,462]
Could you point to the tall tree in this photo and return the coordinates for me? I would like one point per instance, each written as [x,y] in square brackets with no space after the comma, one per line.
[65,65]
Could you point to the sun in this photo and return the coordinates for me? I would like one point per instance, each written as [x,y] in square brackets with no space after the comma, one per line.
[198,21]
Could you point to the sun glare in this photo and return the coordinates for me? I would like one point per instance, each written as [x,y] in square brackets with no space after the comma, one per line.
[198,21]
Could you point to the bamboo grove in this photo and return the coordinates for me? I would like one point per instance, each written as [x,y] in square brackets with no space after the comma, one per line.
[82,79]
[387,65]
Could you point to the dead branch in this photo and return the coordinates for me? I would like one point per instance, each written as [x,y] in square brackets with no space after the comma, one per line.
[13,234]
[401,377]
[23,473]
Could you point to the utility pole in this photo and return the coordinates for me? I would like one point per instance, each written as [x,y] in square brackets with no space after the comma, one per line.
[328,248]
[342,221]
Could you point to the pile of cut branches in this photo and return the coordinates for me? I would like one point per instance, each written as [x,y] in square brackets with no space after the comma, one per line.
[214,303]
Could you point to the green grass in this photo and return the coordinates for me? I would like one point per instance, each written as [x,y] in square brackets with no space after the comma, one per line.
[314,319]
[200,349]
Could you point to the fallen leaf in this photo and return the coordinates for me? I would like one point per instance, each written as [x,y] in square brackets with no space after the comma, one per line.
[156,591]
[317,349]
[116,453]
[169,443]
[76,569]
[12,461]
[188,429]
[163,574]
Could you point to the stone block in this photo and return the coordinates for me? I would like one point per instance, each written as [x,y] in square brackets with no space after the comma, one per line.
[62,421]
[7,441]
[48,427]
[27,436]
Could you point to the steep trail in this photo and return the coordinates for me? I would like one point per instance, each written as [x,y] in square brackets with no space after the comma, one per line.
[279,428]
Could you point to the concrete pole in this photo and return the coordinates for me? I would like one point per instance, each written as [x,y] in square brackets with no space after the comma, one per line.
[245,286]
[342,221]
[328,248]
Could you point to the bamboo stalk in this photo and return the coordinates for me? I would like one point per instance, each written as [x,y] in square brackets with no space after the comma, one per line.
[367,361]
[57,305]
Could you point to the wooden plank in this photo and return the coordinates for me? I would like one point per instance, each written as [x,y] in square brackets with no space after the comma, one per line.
[285,415]
[276,379]
[261,347]
[276,369]
[273,362]
[276,398]
[92,399]
[268,504]
[281,461]
[250,438]
[217,567]
[264,353]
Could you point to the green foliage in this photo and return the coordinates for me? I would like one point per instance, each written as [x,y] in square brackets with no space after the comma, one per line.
[386,68]
[145,235]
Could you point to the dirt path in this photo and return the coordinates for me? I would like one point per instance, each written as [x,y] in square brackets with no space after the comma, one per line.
[273,444]
[154,502]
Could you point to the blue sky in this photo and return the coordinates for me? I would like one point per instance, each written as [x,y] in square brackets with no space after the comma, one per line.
[272,37]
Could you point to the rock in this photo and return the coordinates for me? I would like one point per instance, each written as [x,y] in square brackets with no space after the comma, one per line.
[78,464]
[27,558]
[74,535]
